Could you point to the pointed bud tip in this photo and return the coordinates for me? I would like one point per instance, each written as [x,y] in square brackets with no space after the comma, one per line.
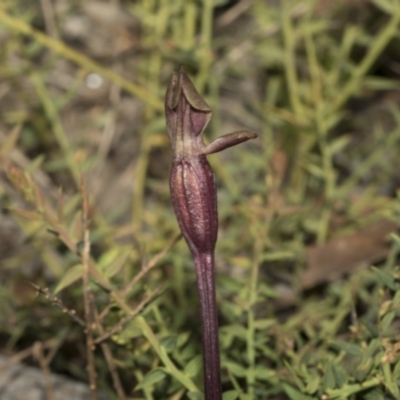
[192,95]
[252,135]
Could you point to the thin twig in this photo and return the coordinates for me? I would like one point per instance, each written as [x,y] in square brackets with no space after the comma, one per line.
[129,317]
[49,18]
[21,355]
[90,346]
[107,352]
[57,302]
[233,13]
[150,265]
[38,352]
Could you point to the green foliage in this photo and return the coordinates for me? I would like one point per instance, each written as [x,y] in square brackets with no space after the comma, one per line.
[318,85]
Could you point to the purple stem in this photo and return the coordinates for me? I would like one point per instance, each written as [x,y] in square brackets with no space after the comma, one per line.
[204,264]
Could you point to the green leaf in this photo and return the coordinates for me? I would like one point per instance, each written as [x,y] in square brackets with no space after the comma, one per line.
[349,348]
[266,290]
[387,320]
[71,203]
[315,170]
[193,367]
[236,330]
[35,164]
[389,382]
[263,374]
[374,83]
[329,378]
[30,215]
[396,239]
[294,394]
[230,395]
[153,377]
[347,390]
[235,369]
[182,339]
[385,5]
[396,300]
[295,377]
[386,278]
[313,384]
[72,275]
[339,144]
[112,261]
[116,266]
[195,396]
[226,339]
[129,331]
[375,394]
[169,343]
[340,375]
[264,323]
[363,370]
[396,371]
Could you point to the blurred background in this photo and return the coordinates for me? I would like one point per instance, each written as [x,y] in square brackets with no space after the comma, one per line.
[307,255]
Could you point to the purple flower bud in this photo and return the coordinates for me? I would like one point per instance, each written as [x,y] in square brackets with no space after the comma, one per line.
[192,181]
[195,203]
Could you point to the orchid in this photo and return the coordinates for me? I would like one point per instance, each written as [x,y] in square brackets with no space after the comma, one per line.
[194,200]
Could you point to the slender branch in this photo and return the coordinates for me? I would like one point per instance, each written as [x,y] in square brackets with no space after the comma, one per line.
[150,265]
[107,352]
[105,335]
[38,352]
[21,355]
[57,302]
[90,346]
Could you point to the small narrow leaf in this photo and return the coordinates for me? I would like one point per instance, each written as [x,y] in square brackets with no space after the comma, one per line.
[264,374]
[31,215]
[348,347]
[169,343]
[11,139]
[230,395]
[195,396]
[72,275]
[294,394]
[386,278]
[60,205]
[329,378]
[153,377]
[387,320]
[193,367]
[235,369]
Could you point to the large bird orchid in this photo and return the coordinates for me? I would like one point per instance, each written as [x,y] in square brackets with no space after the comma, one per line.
[195,204]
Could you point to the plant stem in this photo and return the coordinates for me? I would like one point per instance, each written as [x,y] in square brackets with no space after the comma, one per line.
[206,285]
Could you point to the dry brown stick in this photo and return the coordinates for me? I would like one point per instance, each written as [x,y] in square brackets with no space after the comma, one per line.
[234,13]
[150,265]
[49,18]
[56,301]
[107,353]
[134,313]
[38,353]
[21,355]
[90,346]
